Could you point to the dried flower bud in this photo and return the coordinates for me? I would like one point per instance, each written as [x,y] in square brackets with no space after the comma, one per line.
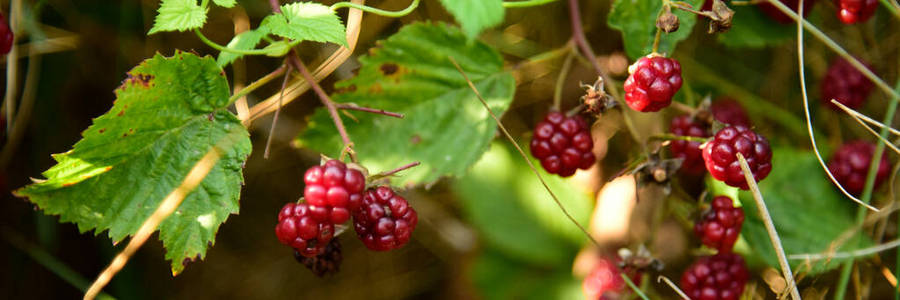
[667,22]
[720,17]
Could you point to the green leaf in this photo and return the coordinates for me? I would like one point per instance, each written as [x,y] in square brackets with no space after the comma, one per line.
[246,40]
[475,15]
[499,277]
[225,3]
[307,21]
[178,15]
[751,28]
[636,19]
[446,128]
[808,212]
[520,219]
[167,115]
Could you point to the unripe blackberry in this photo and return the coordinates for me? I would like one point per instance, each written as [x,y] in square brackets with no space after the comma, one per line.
[563,144]
[718,277]
[729,112]
[652,83]
[689,151]
[850,166]
[846,84]
[335,188]
[385,221]
[720,226]
[720,155]
[604,282]
[305,228]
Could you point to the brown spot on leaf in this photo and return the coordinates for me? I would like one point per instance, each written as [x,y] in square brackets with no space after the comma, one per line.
[348,89]
[415,139]
[389,69]
[375,88]
[121,112]
[102,130]
[68,184]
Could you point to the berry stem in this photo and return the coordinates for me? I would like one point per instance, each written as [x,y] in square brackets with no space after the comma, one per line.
[561,79]
[329,105]
[522,153]
[770,227]
[391,14]
[350,106]
[395,171]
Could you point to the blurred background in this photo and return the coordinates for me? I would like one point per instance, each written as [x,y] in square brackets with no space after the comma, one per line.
[493,234]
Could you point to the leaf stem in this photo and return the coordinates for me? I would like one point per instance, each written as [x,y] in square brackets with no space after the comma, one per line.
[770,227]
[391,14]
[522,153]
[226,49]
[351,106]
[329,105]
[526,3]
[395,171]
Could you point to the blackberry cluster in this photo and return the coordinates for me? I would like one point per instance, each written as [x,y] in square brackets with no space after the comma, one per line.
[385,221]
[721,160]
[720,226]
[563,144]
[850,165]
[652,83]
[335,188]
[604,282]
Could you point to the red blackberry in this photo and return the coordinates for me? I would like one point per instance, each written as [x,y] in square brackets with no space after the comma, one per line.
[6,36]
[721,160]
[652,83]
[604,282]
[718,277]
[335,188]
[850,165]
[327,263]
[853,11]
[846,84]
[305,228]
[720,226]
[563,144]
[729,112]
[782,18]
[690,152]
[385,221]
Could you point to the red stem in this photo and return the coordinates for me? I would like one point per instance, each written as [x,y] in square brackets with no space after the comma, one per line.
[581,41]
[369,110]
[332,109]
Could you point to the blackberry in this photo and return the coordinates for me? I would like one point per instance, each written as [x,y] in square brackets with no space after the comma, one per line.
[782,18]
[854,11]
[563,144]
[327,263]
[850,165]
[689,151]
[721,160]
[729,112]
[718,277]
[720,226]
[652,83]
[385,221]
[846,84]
[335,188]
[305,228]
